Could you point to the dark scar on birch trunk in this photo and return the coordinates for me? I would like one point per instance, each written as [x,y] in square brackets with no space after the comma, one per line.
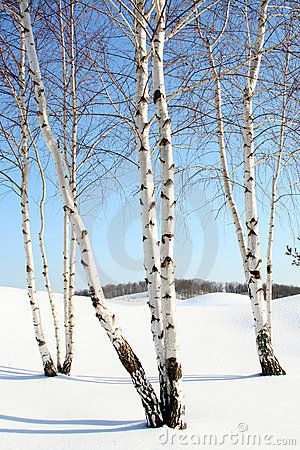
[269,363]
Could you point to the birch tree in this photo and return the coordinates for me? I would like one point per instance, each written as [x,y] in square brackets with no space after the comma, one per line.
[45,261]
[269,363]
[107,319]
[150,238]
[21,153]
[249,238]
[174,409]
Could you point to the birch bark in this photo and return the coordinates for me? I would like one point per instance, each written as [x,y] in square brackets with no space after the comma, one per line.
[269,284]
[67,266]
[72,170]
[269,363]
[46,268]
[49,368]
[107,319]
[150,238]
[174,412]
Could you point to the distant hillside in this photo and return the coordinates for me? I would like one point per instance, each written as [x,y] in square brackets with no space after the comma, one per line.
[191,288]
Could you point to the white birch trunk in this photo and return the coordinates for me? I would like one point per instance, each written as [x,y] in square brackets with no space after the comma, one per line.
[66,274]
[225,172]
[268,361]
[70,307]
[66,250]
[46,269]
[269,284]
[107,319]
[49,368]
[151,245]
[174,413]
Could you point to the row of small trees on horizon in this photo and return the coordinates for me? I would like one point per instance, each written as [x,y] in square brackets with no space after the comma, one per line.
[188,288]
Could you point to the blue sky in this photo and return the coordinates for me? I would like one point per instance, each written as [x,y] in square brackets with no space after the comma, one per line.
[205,247]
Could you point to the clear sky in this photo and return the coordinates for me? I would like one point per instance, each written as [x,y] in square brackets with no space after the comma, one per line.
[205,246]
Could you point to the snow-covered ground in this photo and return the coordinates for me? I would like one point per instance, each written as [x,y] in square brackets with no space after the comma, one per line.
[228,404]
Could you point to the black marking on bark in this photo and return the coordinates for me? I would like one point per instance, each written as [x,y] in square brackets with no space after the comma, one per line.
[167,261]
[157,95]
[169,182]
[154,269]
[84,233]
[256,274]
[251,233]
[166,236]
[164,142]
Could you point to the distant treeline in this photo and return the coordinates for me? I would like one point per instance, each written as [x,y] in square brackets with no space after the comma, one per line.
[191,288]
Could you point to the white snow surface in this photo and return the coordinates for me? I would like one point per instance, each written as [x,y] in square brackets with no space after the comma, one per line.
[228,404]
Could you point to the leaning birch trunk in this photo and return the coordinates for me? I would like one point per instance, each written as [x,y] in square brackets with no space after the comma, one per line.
[174,412]
[45,266]
[225,172]
[70,305]
[268,360]
[151,245]
[107,319]
[49,368]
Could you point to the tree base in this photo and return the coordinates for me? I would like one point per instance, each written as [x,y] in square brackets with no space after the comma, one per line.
[268,361]
[66,368]
[49,369]
[174,408]
[146,392]
[271,367]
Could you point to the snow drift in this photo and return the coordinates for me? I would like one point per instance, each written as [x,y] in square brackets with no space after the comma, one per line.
[97,407]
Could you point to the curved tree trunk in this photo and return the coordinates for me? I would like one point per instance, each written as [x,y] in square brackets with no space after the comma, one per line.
[49,368]
[251,254]
[107,319]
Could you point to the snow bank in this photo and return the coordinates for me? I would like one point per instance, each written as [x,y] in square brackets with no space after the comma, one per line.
[96,407]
